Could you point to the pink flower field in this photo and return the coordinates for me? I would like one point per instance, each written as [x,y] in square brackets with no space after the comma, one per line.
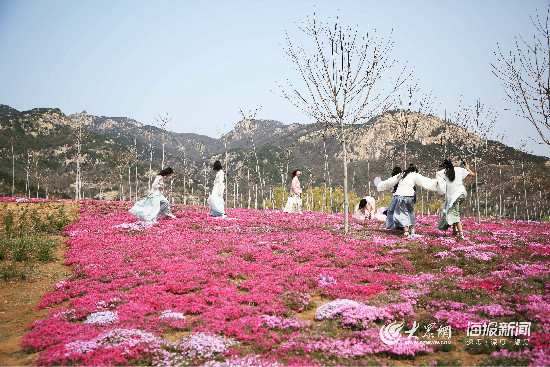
[290,289]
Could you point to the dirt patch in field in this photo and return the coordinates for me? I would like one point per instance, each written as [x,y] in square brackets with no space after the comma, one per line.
[19,299]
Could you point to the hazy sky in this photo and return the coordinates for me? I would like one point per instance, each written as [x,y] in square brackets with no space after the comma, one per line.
[200,61]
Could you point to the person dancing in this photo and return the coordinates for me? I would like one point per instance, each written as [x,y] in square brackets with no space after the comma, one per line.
[155,203]
[401,208]
[294,202]
[450,184]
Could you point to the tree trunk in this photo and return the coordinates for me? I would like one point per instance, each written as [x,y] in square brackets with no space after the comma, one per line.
[477,192]
[345,162]
[12,171]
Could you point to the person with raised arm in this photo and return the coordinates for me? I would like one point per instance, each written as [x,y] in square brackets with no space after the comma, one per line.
[450,184]
[401,208]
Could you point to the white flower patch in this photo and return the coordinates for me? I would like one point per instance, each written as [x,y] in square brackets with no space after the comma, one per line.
[168,314]
[140,225]
[328,310]
[103,317]
[251,360]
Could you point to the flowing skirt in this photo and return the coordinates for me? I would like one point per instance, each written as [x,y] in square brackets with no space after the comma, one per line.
[293,204]
[150,208]
[216,205]
[400,212]
[452,215]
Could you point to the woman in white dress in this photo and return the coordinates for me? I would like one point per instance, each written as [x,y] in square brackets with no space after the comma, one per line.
[401,208]
[216,198]
[450,184]
[294,202]
[155,203]
[366,209]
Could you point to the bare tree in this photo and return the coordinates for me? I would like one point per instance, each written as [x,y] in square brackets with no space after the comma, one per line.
[525,76]
[342,73]
[79,137]
[258,177]
[477,124]
[162,121]
[150,150]
[406,121]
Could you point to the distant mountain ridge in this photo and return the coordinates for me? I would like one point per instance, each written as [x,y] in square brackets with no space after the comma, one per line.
[110,143]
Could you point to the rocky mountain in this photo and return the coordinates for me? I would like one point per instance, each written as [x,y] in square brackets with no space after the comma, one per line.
[44,144]
[44,150]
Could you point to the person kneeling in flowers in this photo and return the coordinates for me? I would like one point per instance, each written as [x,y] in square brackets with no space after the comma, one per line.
[365,209]
[401,208]
[155,203]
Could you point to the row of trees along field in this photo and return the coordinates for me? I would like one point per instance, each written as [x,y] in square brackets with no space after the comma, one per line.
[344,83]
[509,188]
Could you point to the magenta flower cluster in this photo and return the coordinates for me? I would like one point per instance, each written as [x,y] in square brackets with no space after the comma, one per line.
[238,290]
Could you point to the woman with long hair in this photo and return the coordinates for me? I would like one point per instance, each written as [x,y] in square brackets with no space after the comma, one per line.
[216,198]
[365,209]
[294,202]
[401,209]
[155,203]
[450,184]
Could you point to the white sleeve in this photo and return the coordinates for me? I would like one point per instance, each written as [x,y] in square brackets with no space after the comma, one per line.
[429,184]
[390,182]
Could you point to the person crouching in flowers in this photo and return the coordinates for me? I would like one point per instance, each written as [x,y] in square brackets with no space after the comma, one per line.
[449,180]
[155,203]
[294,202]
[365,209]
[216,197]
[401,208]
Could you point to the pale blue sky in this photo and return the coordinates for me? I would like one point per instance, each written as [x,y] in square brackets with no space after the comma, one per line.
[200,61]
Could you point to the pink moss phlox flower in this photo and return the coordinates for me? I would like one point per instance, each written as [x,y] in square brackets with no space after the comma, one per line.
[325,280]
[445,254]
[457,319]
[282,323]
[250,360]
[492,310]
[453,270]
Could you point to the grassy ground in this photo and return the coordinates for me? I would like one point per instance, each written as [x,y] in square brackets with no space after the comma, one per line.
[31,261]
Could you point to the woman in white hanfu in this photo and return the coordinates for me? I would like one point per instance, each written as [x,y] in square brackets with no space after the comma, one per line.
[155,203]
[450,184]
[401,208]
[216,198]
[294,202]
[365,209]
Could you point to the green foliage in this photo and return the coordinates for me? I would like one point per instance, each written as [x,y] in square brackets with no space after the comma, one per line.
[8,223]
[11,272]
